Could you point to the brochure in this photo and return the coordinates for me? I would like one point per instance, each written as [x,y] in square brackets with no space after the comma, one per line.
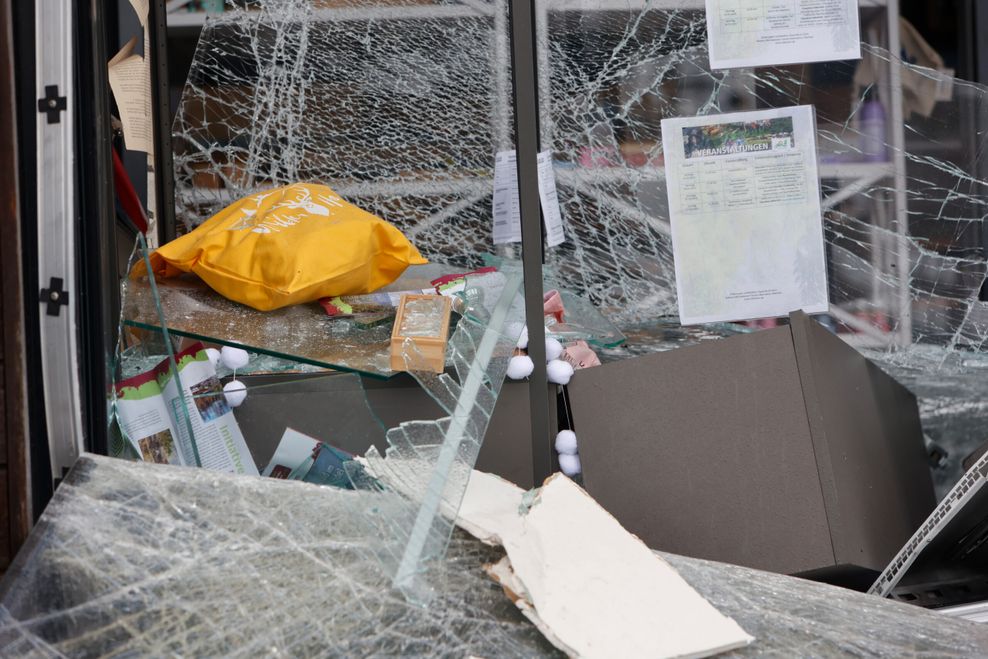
[747,33]
[293,449]
[744,204]
[149,409]
[549,198]
[304,458]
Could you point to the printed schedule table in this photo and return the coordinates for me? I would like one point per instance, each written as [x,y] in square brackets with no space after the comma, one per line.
[742,16]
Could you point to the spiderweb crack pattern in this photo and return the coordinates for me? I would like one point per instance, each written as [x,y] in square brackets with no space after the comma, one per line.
[400,107]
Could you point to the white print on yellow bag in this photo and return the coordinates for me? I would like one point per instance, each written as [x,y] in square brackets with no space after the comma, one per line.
[274,222]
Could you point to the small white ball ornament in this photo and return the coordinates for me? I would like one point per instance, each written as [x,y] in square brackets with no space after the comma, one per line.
[570,464]
[234,358]
[520,367]
[553,349]
[566,442]
[213,355]
[235,392]
[559,371]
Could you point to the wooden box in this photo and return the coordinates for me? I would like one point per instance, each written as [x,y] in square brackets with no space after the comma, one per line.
[424,319]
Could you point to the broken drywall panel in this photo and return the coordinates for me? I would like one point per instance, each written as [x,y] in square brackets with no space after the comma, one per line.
[491,508]
[591,587]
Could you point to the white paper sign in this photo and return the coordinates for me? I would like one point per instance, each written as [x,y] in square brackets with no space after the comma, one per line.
[550,201]
[744,203]
[507,216]
[130,81]
[746,33]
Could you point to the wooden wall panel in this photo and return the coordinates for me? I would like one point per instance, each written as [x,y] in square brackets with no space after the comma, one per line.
[4,458]
[15,516]
[7,548]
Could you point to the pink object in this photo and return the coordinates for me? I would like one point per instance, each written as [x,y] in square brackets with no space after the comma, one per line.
[597,156]
[445,279]
[762,323]
[552,305]
[580,355]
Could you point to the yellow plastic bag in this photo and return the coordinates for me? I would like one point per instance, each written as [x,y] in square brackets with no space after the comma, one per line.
[289,245]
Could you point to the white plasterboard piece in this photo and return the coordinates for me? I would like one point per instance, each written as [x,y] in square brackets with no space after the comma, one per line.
[491,508]
[502,573]
[591,587]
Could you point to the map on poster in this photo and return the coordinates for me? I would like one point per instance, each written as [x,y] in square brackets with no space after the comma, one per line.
[744,204]
[746,33]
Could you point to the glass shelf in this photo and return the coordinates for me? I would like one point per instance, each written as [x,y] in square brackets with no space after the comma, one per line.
[302,333]
[306,334]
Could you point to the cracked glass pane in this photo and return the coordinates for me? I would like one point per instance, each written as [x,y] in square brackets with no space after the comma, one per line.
[427,464]
[903,190]
[149,560]
[400,107]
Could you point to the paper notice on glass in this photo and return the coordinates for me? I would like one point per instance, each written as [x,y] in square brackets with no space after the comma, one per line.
[744,203]
[131,84]
[550,201]
[506,205]
[507,214]
[745,33]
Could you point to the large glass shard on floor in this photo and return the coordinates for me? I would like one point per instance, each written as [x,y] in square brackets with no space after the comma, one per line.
[163,561]
[149,560]
[427,463]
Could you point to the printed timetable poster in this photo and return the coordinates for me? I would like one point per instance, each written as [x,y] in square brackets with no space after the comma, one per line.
[744,204]
[748,33]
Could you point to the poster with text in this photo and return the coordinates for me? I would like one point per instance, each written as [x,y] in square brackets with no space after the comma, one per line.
[744,204]
[746,33]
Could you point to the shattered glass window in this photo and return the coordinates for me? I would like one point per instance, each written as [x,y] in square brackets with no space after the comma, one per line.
[134,559]
[400,107]
[903,209]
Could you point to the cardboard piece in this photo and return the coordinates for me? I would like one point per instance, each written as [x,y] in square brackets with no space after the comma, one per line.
[783,450]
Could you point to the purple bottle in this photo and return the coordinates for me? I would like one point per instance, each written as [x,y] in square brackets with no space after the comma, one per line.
[872,126]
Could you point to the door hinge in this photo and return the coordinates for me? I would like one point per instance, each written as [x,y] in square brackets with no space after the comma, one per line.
[55,296]
[52,104]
